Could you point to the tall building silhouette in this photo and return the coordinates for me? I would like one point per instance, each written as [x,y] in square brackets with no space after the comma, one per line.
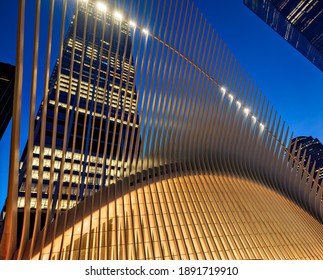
[310,151]
[90,109]
[7,80]
[209,177]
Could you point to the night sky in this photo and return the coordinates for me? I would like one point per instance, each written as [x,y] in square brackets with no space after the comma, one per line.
[293,85]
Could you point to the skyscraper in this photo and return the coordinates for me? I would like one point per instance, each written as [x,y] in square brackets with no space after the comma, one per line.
[91,107]
[7,80]
[298,22]
[310,151]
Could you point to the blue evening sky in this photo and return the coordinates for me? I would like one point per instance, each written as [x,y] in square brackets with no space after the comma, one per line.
[292,84]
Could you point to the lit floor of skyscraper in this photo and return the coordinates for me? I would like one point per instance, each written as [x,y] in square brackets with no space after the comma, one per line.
[152,143]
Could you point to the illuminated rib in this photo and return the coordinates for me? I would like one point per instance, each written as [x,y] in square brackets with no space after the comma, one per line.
[168,151]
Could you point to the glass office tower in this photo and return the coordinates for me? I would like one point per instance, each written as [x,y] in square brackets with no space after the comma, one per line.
[7,80]
[310,149]
[298,22]
[91,108]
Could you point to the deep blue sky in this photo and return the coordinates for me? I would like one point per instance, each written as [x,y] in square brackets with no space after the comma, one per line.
[292,84]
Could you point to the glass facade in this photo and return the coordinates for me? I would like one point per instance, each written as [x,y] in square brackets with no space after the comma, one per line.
[90,109]
[310,151]
[298,22]
[7,81]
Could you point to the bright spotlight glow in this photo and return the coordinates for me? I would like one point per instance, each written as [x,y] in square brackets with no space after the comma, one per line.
[223,89]
[246,110]
[101,6]
[132,23]
[145,31]
[238,103]
[118,15]
[254,118]
[231,96]
[262,125]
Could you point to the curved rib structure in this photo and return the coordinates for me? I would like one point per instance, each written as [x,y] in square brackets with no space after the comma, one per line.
[174,215]
[161,148]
